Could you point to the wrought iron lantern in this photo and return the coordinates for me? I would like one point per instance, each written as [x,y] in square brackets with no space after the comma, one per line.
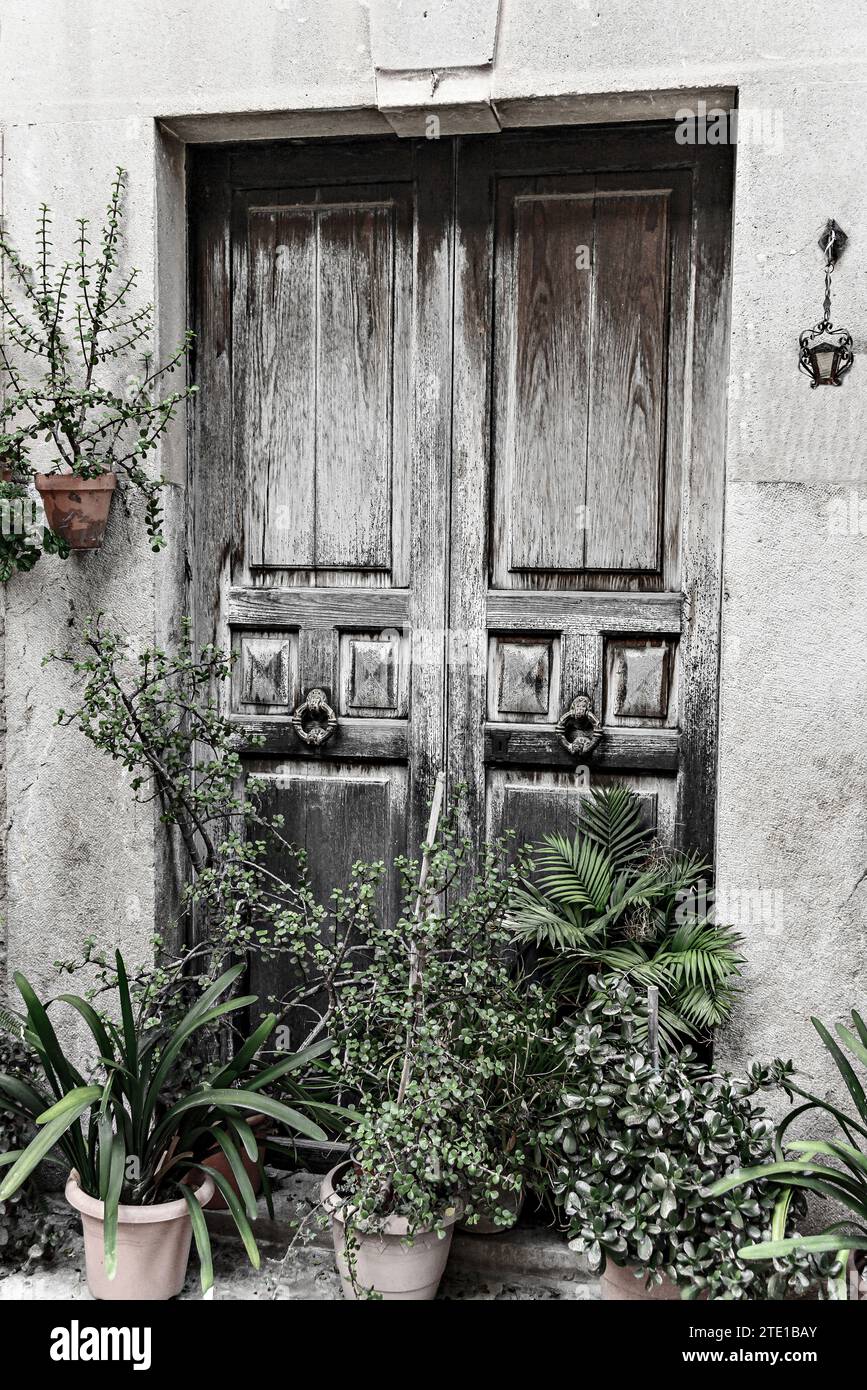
[825,351]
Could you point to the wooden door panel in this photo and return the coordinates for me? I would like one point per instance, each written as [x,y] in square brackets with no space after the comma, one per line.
[337,814]
[322,325]
[330,293]
[550,803]
[584,490]
[591,258]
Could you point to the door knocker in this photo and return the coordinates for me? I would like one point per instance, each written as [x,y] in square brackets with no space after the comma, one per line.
[578,728]
[314,721]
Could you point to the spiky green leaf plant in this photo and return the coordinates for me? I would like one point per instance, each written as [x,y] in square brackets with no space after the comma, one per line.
[832,1168]
[126,1130]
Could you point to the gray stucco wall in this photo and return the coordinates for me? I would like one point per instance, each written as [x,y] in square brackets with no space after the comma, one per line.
[82,88]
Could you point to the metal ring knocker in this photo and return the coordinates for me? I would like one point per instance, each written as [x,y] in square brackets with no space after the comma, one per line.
[322,721]
[578,728]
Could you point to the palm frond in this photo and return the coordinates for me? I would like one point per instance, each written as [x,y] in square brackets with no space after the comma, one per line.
[583,880]
[701,953]
[10,1023]
[534,920]
[611,818]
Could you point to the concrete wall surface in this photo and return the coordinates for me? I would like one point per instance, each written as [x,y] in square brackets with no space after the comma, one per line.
[90,84]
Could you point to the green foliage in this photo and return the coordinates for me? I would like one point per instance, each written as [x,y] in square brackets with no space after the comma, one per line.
[611,901]
[442,1053]
[157,713]
[831,1168]
[640,1148]
[126,1129]
[21,543]
[448,1054]
[29,1232]
[78,371]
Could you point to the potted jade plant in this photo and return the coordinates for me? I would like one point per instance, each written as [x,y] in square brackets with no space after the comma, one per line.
[135,1135]
[833,1166]
[642,1141]
[97,411]
[425,1026]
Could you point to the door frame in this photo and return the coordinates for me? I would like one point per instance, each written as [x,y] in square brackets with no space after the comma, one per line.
[455,455]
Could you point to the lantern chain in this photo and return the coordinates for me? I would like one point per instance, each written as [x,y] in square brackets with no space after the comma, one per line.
[829,269]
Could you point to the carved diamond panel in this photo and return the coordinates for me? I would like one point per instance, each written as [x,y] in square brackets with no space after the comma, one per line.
[639,678]
[266,672]
[521,677]
[371,674]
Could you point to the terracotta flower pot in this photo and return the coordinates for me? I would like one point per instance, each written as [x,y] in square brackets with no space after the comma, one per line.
[77,508]
[383,1262]
[619,1283]
[220,1164]
[513,1201]
[153,1245]
[856,1278]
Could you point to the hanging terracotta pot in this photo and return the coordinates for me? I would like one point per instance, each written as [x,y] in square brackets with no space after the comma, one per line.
[77,508]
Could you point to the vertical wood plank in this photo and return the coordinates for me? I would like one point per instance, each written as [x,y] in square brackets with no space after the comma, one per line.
[209,515]
[468,565]
[353,392]
[582,668]
[430,415]
[547,344]
[626,412]
[277,388]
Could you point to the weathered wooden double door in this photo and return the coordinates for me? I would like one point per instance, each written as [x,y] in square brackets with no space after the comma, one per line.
[456,474]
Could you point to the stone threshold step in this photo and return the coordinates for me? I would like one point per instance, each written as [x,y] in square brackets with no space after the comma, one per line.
[523,1254]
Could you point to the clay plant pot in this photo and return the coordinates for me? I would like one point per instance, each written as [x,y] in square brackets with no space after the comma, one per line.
[619,1284]
[513,1201]
[77,508]
[383,1262]
[153,1245]
[220,1164]
[856,1278]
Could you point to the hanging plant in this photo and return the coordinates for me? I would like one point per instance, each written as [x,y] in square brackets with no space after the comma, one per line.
[80,378]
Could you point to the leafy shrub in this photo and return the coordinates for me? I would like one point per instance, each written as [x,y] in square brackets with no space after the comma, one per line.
[641,1149]
[29,1231]
[447,1053]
